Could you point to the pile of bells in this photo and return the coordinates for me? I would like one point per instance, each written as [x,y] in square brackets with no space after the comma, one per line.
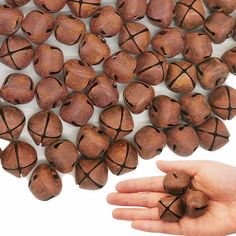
[75,87]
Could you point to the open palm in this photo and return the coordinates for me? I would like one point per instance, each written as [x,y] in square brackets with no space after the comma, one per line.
[217,180]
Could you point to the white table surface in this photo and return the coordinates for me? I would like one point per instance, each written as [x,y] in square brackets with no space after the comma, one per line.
[76,211]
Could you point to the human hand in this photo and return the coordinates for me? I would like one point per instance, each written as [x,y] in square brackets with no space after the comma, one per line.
[217,180]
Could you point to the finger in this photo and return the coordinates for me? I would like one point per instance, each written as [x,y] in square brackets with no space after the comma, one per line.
[135,199]
[149,184]
[157,227]
[188,167]
[131,214]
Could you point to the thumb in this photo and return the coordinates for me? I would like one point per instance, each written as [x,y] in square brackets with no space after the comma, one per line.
[188,167]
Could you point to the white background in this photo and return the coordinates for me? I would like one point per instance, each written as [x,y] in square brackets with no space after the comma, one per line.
[76,211]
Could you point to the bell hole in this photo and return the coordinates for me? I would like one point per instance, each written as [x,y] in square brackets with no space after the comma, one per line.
[145,85]
[138,17]
[216,8]
[37,95]
[44,6]
[88,102]
[40,12]
[115,55]
[52,163]
[81,138]
[121,5]
[66,103]
[5,83]
[186,51]
[101,152]
[136,143]
[54,72]
[72,17]
[58,81]
[50,198]
[163,50]
[56,176]
[195,95]
[157,130]
[159,150]
[35,177]
[82,63]
[49,30]
[93,84]
[97,14]
[57,145]
[54,105]
[199,71]
[129,103]
[26,32]
[201,208]
[31,84]
[206,117]
[84,42]
[74,123]
[16,101]
[54,48]
[102,59]
[185,113]
[162,32]
[117,13]
[111,103]
[174,147]
[36,60]
[103,33]
[100,132]
[103,40]
[230,34]
[154,108]
[175,175]
[211,32]
[114,85]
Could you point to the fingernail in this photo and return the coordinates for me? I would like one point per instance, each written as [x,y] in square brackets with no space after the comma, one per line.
[133,225]
[114,214]
[110,197]
[119,185]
